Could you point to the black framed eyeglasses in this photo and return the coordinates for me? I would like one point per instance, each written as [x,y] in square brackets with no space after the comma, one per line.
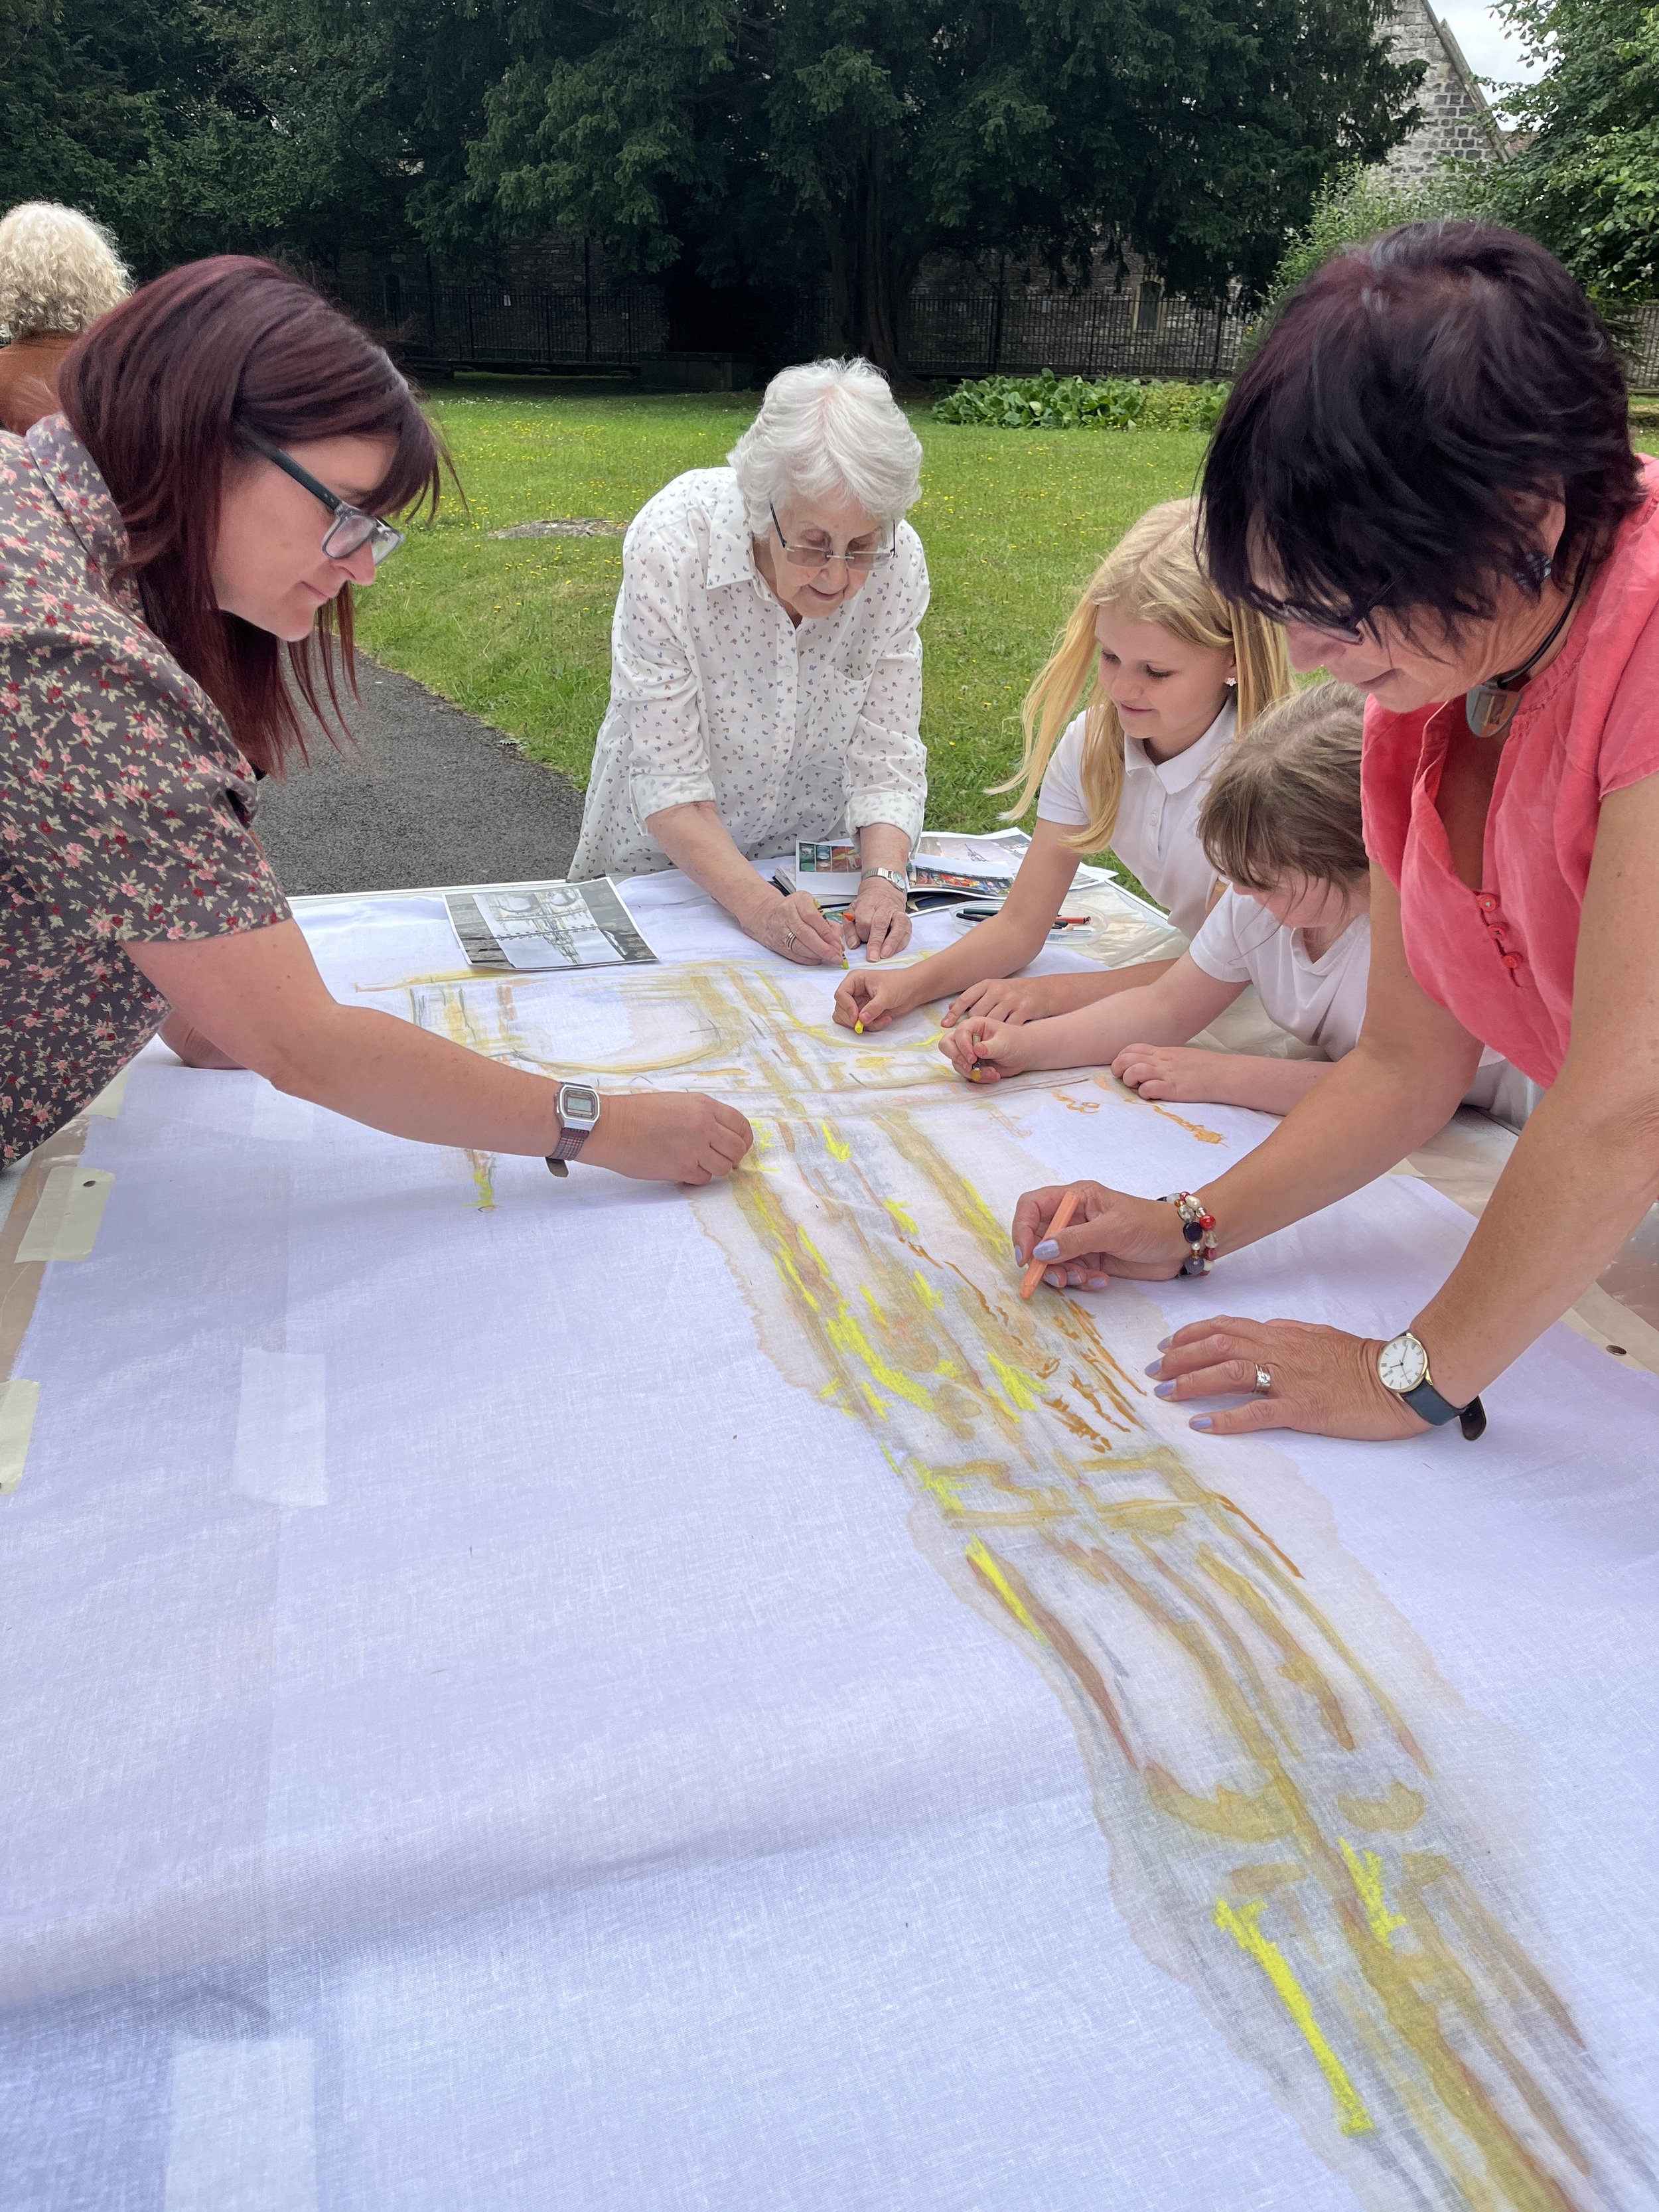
[352,528]
[1318,618]
[861,557]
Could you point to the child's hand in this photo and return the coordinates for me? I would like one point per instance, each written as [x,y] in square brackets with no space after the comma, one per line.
[1008,999]
[1169,1071]
[868,998]
[982,1050]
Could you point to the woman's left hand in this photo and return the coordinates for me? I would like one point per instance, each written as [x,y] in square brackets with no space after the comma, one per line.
[1320,1379]
[877,920]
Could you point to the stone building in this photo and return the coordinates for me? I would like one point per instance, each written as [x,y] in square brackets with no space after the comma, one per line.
[1456,120]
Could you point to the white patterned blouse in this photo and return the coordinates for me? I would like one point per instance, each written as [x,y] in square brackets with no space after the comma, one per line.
[793,732]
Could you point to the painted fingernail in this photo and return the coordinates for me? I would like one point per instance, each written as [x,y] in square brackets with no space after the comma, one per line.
[1165,1342]
[1163,1390]
[1055,1279]
[1201,1421]
[1048,1249]
[1100,1282]
[1156,1367]
[1019,1257]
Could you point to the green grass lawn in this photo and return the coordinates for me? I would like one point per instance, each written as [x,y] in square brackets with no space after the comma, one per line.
[519,632]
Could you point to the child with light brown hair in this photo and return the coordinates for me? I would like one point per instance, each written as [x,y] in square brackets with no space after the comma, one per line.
[1166,674]
[1281,825]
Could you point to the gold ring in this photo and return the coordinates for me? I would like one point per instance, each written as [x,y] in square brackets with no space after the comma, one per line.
[1264,1382]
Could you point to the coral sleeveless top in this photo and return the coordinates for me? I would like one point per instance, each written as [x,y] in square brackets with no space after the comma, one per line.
[1501,958]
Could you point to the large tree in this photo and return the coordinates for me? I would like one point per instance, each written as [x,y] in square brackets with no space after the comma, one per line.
[769,138]
[1586,182]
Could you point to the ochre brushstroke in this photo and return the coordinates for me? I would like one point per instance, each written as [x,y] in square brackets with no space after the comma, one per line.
[1220,1702]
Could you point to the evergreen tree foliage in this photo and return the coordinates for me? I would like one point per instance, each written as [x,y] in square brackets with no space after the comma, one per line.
[857,136]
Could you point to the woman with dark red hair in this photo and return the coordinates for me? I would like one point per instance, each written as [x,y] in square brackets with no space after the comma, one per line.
[177,553]
[1425,473]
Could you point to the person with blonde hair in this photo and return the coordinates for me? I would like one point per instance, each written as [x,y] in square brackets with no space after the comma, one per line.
[765,669]
[1280,825]
[1166,673]
[59,272]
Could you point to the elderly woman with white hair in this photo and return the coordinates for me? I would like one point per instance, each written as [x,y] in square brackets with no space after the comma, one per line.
[766,672]
[59,272]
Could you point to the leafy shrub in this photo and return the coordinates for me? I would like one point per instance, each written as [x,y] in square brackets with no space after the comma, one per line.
[1078,403]
[1358,202]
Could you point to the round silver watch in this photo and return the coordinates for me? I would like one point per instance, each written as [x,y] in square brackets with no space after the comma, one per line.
[578,1105]
[898,879]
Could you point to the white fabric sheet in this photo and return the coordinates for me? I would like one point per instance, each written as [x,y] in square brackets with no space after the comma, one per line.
[510,1703]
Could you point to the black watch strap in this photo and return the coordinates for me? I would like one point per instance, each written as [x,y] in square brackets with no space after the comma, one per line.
[1426,1402]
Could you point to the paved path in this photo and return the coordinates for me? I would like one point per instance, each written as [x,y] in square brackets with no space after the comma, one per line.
[432,796]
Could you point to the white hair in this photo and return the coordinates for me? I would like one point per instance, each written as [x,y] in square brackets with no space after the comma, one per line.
[58,270]
[829,429]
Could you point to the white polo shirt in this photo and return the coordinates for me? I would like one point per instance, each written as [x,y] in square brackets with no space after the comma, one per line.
[1156,832]
[1323,1001]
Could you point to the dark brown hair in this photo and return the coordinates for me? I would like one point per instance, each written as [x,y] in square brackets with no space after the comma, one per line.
[1413,405]
[1284,805]
[164,391]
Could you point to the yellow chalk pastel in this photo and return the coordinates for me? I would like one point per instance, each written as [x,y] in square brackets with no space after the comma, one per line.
[858,1029]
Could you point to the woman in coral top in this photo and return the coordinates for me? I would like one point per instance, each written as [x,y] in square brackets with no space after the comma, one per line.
[1425,472]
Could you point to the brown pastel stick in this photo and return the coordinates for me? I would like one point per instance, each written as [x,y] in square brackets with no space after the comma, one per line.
[1062,1219]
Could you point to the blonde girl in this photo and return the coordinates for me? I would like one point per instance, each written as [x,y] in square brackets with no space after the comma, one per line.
[1281,825]
[1166,674]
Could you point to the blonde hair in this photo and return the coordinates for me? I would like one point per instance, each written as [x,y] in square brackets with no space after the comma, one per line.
[1153,574]
[1284,805]
[58,270]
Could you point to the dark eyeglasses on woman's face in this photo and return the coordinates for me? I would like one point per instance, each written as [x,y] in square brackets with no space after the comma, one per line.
[351,529]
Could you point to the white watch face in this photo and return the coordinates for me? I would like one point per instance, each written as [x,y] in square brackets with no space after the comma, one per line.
[1402,1364]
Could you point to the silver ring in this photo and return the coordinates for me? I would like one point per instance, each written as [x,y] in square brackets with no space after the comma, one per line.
[1264,1382]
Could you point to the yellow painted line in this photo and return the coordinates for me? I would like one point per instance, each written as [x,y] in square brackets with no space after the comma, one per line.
[1018,1386]
[1245,1928]
[979,1558]
[1366,1869]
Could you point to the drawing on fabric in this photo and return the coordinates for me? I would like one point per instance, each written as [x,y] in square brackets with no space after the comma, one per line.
[1267,1739]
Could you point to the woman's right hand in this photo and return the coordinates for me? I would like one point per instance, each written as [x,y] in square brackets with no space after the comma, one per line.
[667,1136]
[798,927]
[985,1051]
[1112,1234]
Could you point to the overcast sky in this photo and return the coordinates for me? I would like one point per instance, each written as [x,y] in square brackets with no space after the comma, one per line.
[1486,48]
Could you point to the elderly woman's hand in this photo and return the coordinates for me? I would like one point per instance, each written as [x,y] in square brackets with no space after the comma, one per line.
[1299,1375]
[797,927]
[879,919]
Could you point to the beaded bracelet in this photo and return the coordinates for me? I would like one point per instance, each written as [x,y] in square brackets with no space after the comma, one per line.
[1198,1227]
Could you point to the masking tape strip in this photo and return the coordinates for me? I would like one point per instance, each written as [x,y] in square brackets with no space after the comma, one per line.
[281,1456]
[242,2134]
[107,1104]
[67,1213]
[19,1403]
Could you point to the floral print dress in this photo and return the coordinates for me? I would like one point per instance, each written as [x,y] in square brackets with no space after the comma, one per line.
[126,810]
